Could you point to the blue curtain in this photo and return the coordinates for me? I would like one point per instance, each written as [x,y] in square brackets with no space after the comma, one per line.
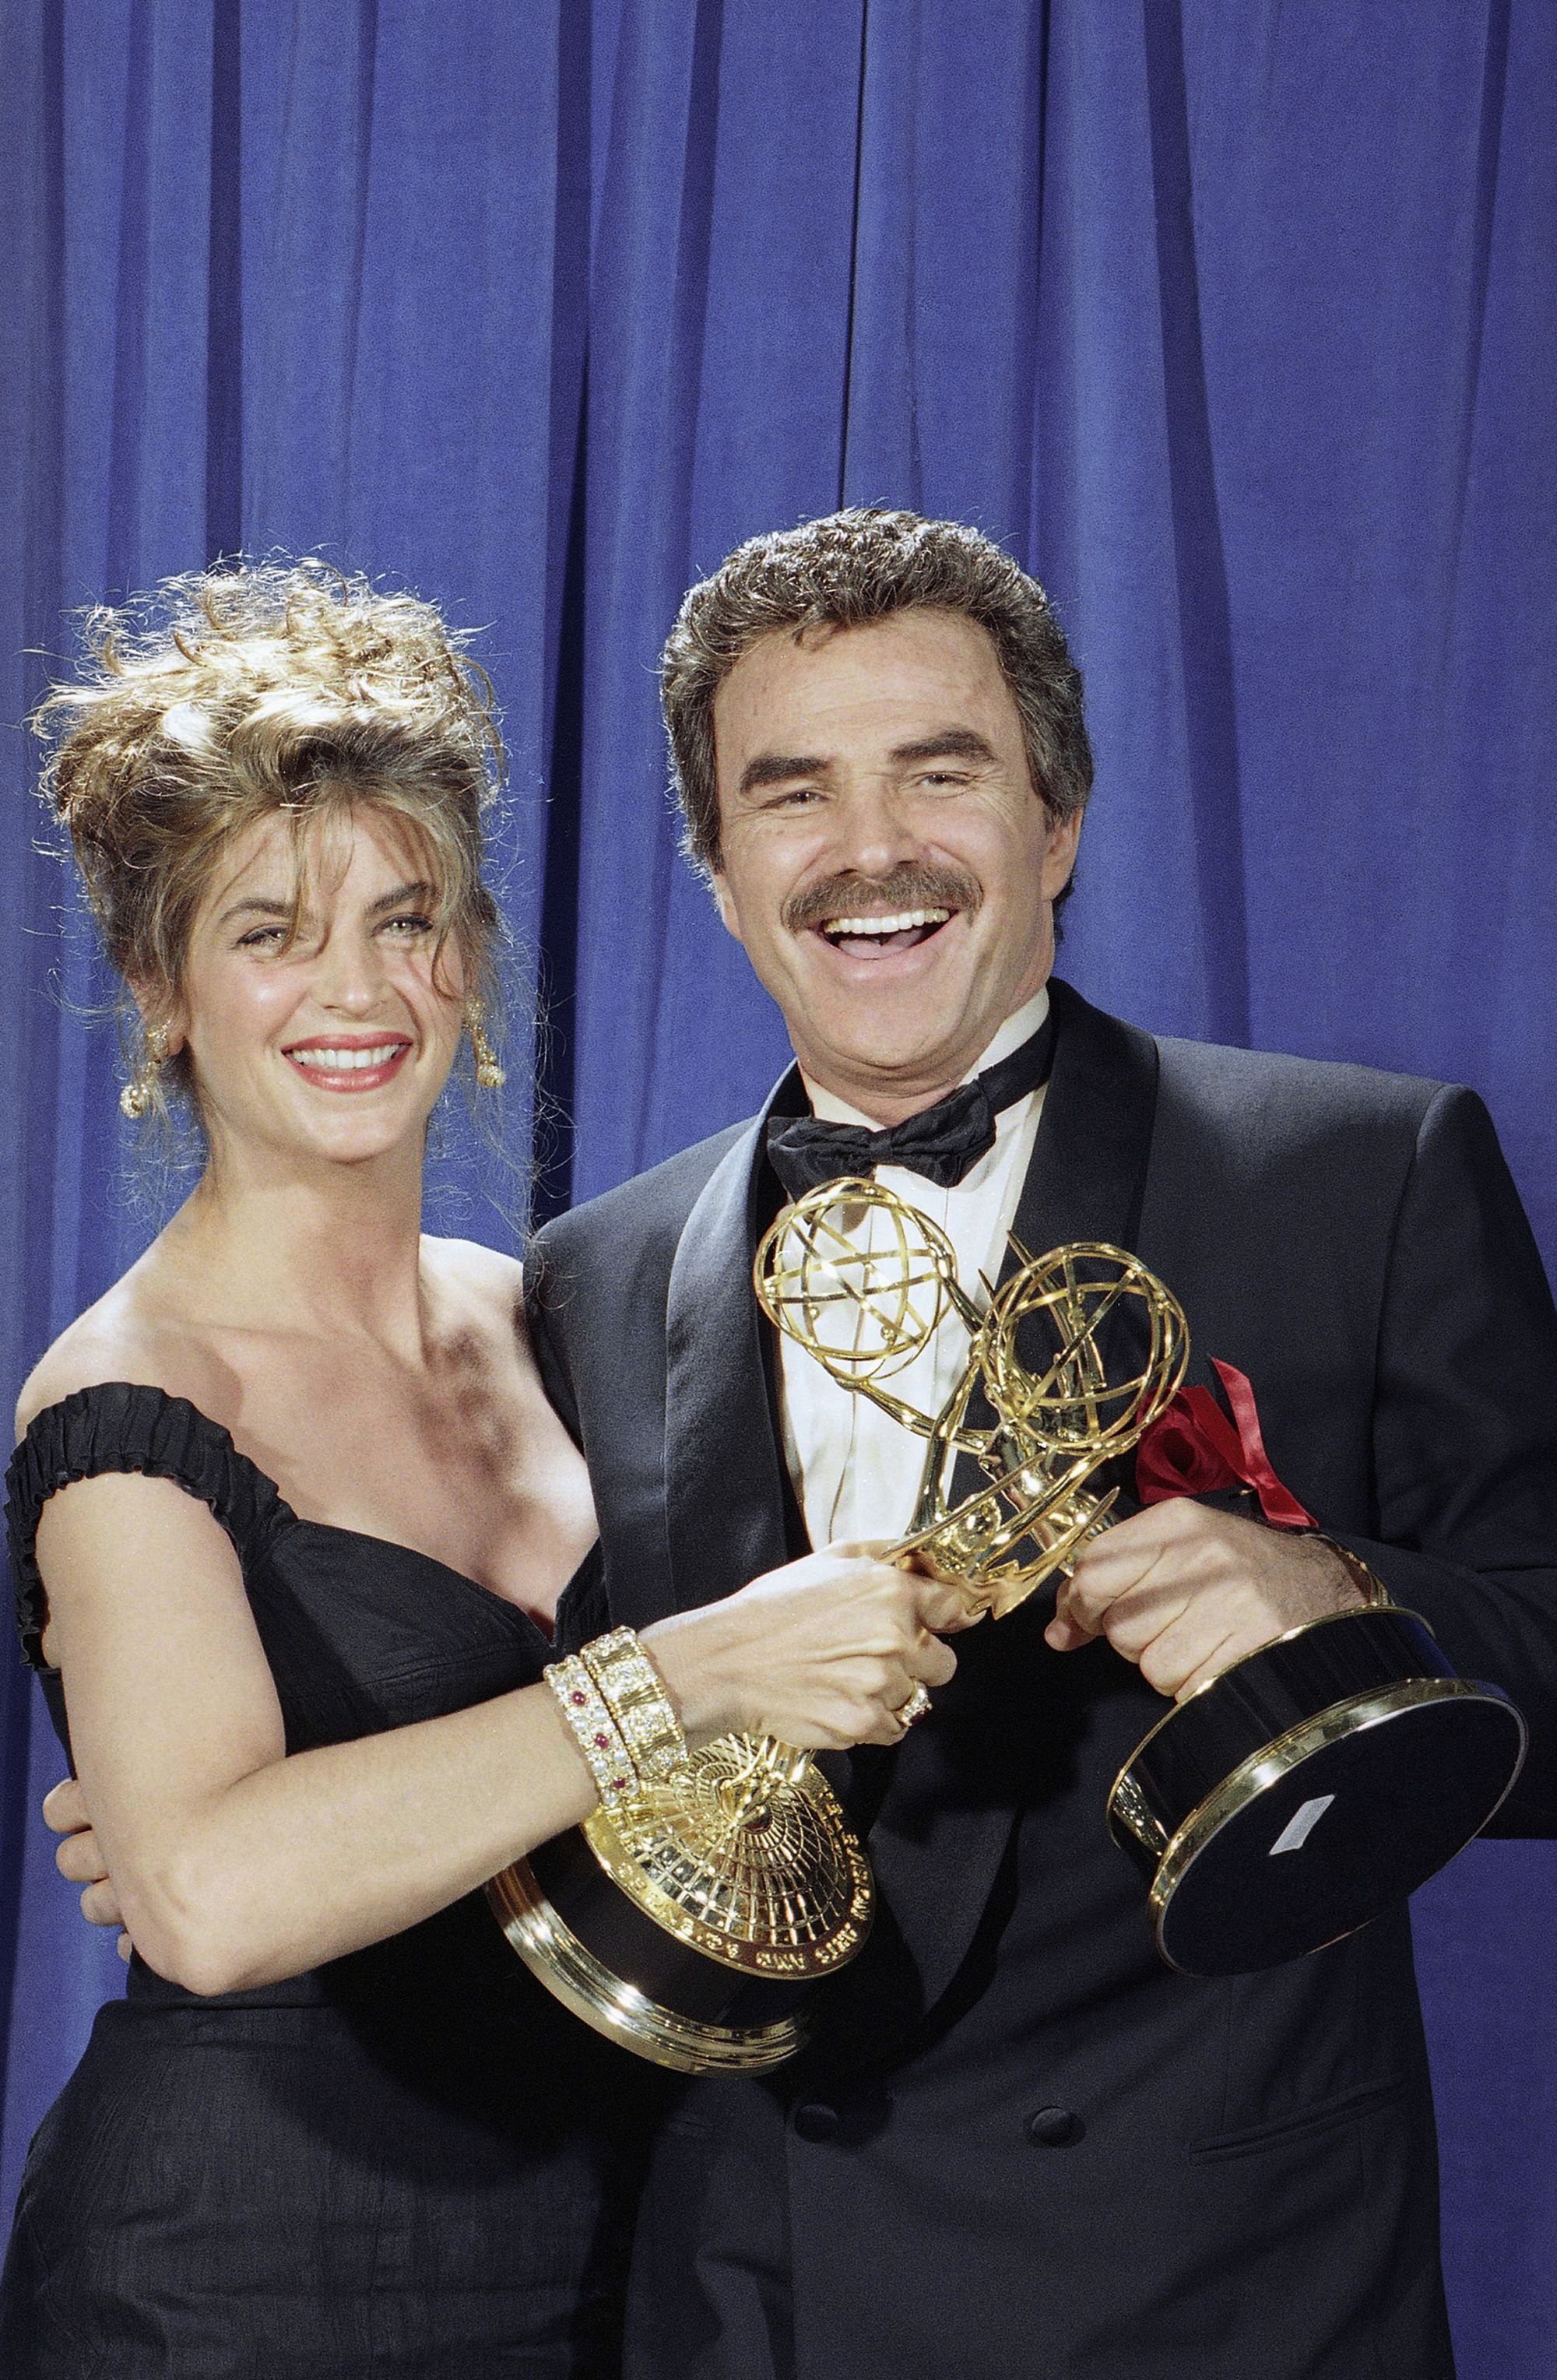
[1234,318]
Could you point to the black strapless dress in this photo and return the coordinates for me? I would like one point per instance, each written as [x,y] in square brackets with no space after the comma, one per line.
[411,2161]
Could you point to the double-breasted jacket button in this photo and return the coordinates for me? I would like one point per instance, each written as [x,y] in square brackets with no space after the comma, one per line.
[1051,2127]
[815,2121]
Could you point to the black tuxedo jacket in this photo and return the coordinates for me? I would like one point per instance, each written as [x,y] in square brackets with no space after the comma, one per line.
[1020,2144]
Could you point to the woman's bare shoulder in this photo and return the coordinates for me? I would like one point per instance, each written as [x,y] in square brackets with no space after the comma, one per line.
[481,1299]
[126,1336]
[468,1270]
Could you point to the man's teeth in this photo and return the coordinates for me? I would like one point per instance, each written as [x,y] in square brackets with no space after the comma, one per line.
[899,923]
[345,1061]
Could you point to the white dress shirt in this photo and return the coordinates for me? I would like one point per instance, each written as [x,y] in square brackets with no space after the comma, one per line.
[856,1470]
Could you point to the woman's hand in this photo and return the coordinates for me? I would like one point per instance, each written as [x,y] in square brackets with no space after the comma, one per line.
[822,1654]
[80,1857]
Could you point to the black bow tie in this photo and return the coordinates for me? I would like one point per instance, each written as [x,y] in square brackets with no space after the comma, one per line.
[944,1143]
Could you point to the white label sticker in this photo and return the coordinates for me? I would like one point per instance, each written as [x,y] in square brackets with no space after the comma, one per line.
[1301,1825]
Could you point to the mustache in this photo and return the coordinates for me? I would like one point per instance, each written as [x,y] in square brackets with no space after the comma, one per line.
[913,884]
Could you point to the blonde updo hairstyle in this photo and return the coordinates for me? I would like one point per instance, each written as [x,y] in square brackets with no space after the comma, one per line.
[256,688]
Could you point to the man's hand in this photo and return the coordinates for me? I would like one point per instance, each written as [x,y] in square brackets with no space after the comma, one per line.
[79,1859]
[1183,1591]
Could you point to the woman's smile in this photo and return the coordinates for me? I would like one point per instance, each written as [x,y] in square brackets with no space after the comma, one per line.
[349,1061]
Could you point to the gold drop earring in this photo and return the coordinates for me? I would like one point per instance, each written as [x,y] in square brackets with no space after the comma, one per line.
[140,1090]
[489,1074]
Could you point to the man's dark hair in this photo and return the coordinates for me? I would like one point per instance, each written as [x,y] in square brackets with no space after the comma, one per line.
[840,572]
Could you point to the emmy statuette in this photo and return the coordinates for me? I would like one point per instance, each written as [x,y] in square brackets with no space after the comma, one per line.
[689,1924]
[1294,1797]
[1309,1786]
[862,1280]
[1312,1784]
[686,1924]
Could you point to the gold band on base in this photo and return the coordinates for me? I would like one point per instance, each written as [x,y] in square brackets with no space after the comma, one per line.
[573,1975]
[1210,1685]
[1276,1760]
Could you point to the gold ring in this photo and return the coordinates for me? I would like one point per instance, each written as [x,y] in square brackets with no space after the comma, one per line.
[909,1713]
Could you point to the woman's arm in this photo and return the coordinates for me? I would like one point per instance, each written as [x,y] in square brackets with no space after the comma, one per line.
[235,1866]
[232,1863]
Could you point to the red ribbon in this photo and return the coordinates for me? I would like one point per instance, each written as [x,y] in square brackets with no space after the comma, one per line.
[1192,1447]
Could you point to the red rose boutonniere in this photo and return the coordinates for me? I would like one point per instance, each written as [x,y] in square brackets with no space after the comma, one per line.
[1192,1447]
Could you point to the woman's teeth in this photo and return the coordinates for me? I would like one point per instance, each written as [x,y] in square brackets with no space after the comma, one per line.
[345,1062]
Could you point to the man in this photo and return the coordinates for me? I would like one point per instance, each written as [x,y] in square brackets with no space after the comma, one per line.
[1020,2144]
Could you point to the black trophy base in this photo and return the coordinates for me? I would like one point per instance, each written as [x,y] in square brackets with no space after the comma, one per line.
[583,1939]
[1309,1788]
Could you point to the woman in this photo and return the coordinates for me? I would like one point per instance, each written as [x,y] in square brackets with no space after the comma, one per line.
[295,1535]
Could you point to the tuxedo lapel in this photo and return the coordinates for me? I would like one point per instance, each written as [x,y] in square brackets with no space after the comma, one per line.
[938,1842]
[723,1488]
[1088,1164]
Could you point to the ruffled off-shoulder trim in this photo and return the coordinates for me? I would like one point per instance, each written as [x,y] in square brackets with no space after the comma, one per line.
[121,1427]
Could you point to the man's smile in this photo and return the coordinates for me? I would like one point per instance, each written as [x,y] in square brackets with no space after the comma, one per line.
[867,937]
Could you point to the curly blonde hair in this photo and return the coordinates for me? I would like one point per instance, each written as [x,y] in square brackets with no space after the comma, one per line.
[230,695]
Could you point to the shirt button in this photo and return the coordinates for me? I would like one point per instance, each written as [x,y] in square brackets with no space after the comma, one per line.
[817,2121]
[1051,2127]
